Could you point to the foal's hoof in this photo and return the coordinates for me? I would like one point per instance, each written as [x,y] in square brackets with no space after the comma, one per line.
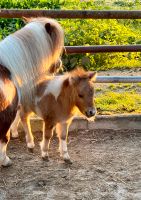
[68,161]
[14,135]
[45,158]
[31,150]
[7,162]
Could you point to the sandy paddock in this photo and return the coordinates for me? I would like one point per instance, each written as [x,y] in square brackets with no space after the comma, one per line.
[106,166]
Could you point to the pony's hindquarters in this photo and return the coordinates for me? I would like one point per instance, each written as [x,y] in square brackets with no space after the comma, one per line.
[8,109]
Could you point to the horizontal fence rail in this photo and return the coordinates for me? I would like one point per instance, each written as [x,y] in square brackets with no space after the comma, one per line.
[102,48]
[86,14]
[118,79]
[18,13]
[71,14]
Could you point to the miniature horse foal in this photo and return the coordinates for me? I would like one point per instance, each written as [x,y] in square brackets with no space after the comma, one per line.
[56,98]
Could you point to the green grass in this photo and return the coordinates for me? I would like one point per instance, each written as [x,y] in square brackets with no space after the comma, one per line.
[121,86]
[139,85]
[112,102]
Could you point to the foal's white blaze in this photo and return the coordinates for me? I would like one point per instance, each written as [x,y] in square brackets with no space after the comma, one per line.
[54,87]
[63,150]
[4,160]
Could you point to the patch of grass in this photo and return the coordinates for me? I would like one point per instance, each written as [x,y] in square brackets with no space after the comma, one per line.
[112,87]
[121,86]
[98,89]
[138,84]
[112,103]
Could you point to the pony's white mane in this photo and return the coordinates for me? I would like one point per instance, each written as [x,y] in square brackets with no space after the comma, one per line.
[29,53]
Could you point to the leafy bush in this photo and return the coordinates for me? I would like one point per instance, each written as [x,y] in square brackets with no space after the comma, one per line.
[8,26]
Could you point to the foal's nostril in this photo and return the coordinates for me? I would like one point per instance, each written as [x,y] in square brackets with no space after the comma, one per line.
[90,113]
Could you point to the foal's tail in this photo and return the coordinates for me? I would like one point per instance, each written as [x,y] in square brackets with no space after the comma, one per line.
[29,52]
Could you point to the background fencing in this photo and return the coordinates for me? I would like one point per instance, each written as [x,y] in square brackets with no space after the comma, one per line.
[86,14]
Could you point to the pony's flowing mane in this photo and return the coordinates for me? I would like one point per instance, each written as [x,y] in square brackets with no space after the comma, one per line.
[29,52]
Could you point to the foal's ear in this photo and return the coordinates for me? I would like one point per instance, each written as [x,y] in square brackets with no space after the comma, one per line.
[92,75]
[48,28]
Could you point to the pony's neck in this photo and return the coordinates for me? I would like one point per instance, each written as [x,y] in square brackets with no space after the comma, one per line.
[67,99]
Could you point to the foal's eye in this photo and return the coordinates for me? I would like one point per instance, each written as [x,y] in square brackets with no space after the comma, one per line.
[80,95]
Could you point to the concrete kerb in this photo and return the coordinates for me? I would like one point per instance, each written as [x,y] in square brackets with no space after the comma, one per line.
[115,122]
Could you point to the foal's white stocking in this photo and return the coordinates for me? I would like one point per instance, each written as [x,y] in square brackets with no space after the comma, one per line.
[47,135]
[62,132]
[14,126]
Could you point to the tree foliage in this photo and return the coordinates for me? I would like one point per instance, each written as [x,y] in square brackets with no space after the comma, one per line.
[87,32]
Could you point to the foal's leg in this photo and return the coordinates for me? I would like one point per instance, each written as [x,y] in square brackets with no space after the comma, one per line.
[4,159]
[62,132]
[28,133]
[47,135]
[14,126]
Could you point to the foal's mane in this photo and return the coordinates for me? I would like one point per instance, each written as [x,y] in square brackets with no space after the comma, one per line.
[79,72]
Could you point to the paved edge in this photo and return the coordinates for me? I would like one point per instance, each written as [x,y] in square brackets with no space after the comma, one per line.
[115,122]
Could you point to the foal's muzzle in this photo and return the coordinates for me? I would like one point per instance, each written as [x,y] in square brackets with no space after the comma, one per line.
[90,112]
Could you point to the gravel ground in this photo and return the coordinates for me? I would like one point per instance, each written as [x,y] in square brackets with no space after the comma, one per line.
[106,166]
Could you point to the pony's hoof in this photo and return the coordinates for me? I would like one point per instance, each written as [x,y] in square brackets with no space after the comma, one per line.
[31,150]
[45,158]
[68,161]
[7,162]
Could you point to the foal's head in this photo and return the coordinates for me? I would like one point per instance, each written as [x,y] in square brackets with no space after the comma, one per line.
[83,83]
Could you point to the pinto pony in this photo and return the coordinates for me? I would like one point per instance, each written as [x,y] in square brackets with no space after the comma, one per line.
[55,102]
[25,56]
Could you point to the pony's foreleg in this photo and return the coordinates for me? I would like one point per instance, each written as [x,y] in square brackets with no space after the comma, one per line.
[28,133]
[62,132]
[47,135]
[4,159]
[14,126]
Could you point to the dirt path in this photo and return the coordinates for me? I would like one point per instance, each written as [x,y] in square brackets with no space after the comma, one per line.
[106,166]
[124,72]
[129,86]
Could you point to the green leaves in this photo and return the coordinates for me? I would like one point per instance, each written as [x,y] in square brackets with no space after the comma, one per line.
[87,31]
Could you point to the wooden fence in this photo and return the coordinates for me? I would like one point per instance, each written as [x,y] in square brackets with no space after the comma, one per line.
[86,14]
